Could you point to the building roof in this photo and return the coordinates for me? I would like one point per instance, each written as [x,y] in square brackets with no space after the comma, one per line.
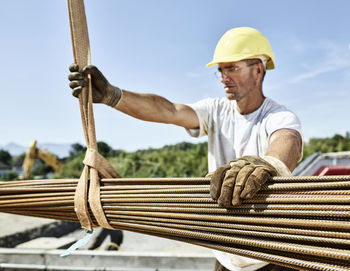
[4,166]
[18,162]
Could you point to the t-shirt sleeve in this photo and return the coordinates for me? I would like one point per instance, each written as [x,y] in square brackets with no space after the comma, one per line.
[282,120]
[202,109]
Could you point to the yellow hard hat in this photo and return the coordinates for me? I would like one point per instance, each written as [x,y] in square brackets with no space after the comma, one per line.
[242,43]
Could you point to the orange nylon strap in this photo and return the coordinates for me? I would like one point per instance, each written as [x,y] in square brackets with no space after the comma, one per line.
[87,193]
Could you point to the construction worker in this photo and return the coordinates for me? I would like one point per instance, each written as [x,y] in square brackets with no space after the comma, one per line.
[250,137]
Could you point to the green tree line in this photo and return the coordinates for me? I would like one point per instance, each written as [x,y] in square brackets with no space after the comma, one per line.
[337,143]
[180,160]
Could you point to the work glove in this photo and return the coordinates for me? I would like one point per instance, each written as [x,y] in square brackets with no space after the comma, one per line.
[239,179]
[102,91]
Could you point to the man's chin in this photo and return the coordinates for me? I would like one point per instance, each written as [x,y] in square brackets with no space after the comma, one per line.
[230,96]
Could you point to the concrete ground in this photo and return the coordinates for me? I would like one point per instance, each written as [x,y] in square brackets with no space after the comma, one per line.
[11,224]
[141,242]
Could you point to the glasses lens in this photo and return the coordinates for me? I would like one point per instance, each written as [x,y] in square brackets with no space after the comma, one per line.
[217,74]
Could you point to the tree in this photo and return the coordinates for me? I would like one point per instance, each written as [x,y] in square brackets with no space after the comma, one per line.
[5,157]
[72,168]
[336,143]
[180,160]
[76,149]
[10,176]
[42,169]
[104,149]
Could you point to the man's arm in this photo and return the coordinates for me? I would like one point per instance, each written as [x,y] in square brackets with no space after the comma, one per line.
[151,107]
[243,177]
[286,145]
[148,107]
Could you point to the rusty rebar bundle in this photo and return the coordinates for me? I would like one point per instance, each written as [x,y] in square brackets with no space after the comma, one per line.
[299,222]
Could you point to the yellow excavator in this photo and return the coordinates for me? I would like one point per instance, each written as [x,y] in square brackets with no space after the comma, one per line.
[44,155]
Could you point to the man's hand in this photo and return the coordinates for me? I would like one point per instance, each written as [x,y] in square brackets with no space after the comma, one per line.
[239,179]
[102,90]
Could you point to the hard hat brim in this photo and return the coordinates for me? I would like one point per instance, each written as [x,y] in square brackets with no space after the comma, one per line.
[270,65]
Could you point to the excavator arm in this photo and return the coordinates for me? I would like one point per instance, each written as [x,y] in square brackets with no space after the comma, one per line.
[44,155]
[49,159]
[29,160]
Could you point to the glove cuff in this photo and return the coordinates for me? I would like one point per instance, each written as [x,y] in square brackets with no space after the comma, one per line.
[113,97]
[281,168]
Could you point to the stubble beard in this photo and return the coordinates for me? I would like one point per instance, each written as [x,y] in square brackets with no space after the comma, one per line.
[232,96]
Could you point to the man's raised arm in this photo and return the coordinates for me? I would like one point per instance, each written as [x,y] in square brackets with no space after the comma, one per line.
[148,107]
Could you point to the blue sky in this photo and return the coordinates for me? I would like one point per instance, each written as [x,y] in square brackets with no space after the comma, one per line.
[162,47]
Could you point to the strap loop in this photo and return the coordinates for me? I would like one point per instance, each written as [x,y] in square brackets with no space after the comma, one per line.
[87,193]
[95,160]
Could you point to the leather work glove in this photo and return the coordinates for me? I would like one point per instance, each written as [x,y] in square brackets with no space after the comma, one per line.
[102,91]
[239,179]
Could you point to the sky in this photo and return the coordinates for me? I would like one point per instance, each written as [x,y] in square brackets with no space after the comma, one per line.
[162,47]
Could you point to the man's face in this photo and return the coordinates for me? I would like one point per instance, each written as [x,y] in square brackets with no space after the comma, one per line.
[238,79]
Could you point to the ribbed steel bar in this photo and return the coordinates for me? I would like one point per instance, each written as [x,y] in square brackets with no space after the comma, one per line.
[222,211]
[255,206]
[43,182]
[332,233]
[147,181]
[295,179]
[203,180]
[36,195]
[177,191]
[309,199]
[205,198]
[29,200]
[303,223]
[261,234]
[315,192]
[55,202]
[306,185]
[205,187]
[50,209]
[30,190]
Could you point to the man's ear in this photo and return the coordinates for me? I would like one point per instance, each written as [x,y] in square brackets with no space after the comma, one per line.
[260,71]
[260,68]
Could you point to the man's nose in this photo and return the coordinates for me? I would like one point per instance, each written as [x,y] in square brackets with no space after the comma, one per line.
[224,78]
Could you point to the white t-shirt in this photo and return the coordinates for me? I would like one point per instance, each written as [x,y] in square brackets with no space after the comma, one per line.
[232,135]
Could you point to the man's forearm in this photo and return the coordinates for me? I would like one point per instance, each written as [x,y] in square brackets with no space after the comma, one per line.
[151,107]
[286,145]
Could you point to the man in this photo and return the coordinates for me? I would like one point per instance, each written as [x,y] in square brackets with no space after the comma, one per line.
[260,137]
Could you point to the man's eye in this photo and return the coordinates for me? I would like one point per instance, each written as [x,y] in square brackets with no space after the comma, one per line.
[232,69]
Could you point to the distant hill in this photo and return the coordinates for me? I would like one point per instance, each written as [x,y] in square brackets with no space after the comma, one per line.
[61,150]
[14,149]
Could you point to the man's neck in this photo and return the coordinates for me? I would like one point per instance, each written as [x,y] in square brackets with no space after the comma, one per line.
[247,106]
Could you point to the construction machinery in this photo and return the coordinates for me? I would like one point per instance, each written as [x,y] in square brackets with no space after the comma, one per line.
[43,154]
